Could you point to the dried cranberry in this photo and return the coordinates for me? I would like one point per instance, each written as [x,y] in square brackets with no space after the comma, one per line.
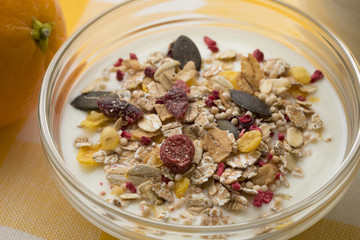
[270,157]
[286,118]
[242,133]
[131,187]
[212,97]
[245,119]
[316,76]
[271,134]
[176,100]
[259,55]
[277,175]
[301,98]
[149,72]
[258,200]
[118,62]
[221,168]
[119,75]
[261,162]
[133,56]
[209,102]
[236,186]
[116,108]
[160,101]
[211,44]
[177,153]
[254,127]
[281,136]
[126,135]
[145,140]
[267,196]
[165,179]
[216,94]
[181,84]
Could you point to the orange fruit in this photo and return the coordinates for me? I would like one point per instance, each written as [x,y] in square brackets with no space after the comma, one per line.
[31,31]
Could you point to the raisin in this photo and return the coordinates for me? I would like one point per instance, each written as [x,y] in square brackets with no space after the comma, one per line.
[116,108]
[177,153]
[176,100]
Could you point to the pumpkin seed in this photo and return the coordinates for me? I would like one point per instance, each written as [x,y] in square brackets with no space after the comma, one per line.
[226,125]
[250,102]
[185,50]
[88,101]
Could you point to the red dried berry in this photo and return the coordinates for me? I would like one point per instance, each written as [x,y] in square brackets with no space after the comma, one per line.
[261,162]
[212,97]
[145,140]
[126,135]
[281,136]
[176,100]
[258,200]
[259,55]
[242,132]
[270,157]
[301,98]
[236,186]
[216,94]
[211,44]
[209,102]
[165,179]
[118,62]
[131,187]
[221,169]
[149,72]
[160,101]
[177,153]
[254,127]
[271,134]
[181,84]
[116,108]
[119,75]
[286,118]
[277,175]
[316,76]
[267,196]
[245,119]
[133,56]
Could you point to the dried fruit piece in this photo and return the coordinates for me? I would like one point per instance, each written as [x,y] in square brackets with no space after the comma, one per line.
[109,138]
[300,74]
[184,50]
[94,120]
[176,100]
[249,141]
[231,76]
[211,44]
[259,55]
[116,108]
[250,102]
[85,154]
[177,153]
[88,101]
[316,76]
[181,187]
[150,123]
[228,126]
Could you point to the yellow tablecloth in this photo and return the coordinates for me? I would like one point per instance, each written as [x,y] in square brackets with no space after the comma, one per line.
[31,206]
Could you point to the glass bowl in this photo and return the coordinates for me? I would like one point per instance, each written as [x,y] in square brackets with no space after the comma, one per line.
[133,20]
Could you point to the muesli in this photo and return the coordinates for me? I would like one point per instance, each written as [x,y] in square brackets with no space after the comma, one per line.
[190,140]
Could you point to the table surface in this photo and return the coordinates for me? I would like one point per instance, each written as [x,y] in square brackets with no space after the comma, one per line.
[31,206]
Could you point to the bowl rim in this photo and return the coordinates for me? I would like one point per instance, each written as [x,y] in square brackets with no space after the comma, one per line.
[345,173]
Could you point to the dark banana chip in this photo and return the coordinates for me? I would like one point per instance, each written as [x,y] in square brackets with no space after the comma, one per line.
[184,50]
[88,101]
[250,102]
[226,125]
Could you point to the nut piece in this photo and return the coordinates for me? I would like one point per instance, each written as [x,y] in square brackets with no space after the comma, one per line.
[198,152]
[218,144]
[265,175]
[294,137]
[150,123]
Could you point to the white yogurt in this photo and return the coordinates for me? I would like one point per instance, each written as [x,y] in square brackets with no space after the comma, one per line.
[318,168]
